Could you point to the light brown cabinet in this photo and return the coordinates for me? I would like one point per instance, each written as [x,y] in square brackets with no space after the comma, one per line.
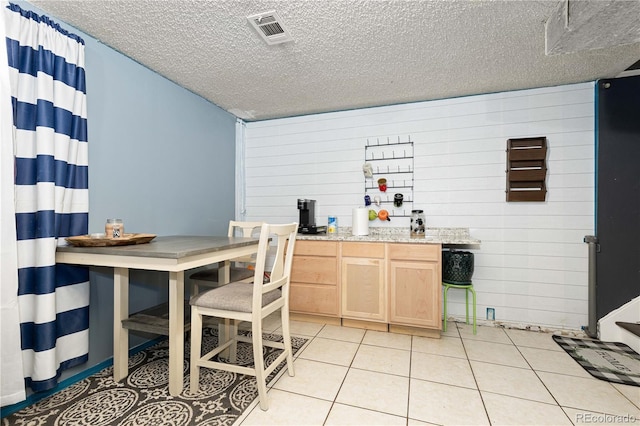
[314,278]
[364,290]
[394,286]
[415,285]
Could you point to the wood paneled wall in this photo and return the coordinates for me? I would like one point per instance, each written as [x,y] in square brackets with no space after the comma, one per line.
[532,264]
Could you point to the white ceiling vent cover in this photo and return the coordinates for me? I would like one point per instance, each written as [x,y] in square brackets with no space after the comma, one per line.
[270,27]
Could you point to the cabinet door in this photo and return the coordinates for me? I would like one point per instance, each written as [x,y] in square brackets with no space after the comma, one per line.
[415,293]
[363,289]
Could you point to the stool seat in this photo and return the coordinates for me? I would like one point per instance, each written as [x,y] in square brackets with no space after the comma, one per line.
[467,286]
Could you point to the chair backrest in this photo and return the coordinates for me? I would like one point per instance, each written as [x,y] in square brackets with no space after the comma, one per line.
[284,238]
[244,229]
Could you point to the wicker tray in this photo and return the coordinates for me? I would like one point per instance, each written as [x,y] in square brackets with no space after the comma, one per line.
[125,240]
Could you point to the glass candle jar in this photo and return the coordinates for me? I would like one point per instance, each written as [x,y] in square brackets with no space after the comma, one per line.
[417,223]
[114,228]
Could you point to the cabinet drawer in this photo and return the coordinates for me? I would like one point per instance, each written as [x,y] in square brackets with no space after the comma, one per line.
[375,250]
[316,248]
[315,270]
[415,251]
[313,299]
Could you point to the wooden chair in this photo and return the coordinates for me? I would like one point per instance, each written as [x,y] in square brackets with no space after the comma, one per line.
[252,302]
[237,272]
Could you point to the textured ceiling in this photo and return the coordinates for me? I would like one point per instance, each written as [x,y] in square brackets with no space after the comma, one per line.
[347,54]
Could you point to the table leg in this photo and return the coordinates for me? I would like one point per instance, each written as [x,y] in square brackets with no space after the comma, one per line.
[224,272]
[224,276]
[120,334]
[176,332]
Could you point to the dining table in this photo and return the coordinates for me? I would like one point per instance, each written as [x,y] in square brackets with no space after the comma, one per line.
[173,254]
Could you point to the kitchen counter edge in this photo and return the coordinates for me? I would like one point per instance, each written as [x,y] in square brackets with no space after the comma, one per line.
[456,238]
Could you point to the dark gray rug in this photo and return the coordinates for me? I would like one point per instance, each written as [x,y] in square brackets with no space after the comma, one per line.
[142,398]
[610,361]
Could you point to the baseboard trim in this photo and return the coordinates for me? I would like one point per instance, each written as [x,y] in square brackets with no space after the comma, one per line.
[317,319]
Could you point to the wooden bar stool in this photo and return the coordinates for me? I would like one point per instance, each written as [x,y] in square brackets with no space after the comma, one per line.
[209,277]
[250,302]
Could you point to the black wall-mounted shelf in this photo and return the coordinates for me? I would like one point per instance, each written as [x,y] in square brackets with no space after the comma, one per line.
[526,169]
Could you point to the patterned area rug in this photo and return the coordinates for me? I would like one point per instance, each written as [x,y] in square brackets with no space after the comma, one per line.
[610,361]
[143,397]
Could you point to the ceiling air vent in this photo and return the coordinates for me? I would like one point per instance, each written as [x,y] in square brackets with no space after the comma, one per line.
[270,27]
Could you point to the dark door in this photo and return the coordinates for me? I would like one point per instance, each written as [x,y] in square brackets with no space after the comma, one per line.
[617,192]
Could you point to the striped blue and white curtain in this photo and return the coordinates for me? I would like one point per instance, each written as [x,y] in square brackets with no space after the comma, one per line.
[50,156]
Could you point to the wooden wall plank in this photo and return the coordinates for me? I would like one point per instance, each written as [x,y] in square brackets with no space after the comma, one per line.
[532,265]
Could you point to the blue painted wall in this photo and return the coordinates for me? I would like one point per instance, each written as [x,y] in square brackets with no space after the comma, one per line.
[162,159]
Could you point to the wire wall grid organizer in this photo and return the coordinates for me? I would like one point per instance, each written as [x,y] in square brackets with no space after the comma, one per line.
[393,161]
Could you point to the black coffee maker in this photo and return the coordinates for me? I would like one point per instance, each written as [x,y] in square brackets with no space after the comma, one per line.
[307,223]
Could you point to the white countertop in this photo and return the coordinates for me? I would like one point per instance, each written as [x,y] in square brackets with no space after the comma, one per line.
[398,235]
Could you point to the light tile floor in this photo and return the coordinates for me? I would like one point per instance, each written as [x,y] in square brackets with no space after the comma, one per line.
[348,376]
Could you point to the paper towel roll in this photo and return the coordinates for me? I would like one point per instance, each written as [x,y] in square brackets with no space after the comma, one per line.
[360,223]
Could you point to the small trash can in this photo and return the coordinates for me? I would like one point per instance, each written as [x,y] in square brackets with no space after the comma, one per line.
[457,266]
